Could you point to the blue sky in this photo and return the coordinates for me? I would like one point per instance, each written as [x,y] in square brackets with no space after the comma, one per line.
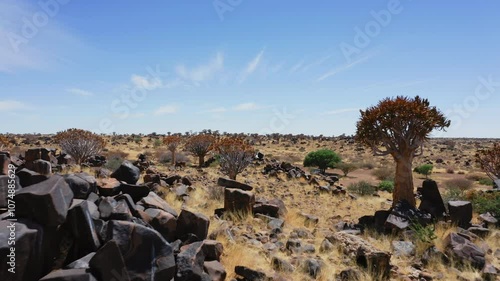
[244,66]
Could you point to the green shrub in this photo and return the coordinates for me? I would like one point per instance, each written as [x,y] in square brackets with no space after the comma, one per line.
[386,186]
[157,143]
[346,168]
[361,188]
[425,170]
[424,234]
[384,174]
[113,163]
[323,159]
[486,181]
[483,202]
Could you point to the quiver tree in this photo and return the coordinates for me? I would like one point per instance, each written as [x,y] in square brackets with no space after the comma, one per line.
[199,145]
[489,159]
[234,156]
[80,144]
[399,127]
[172,142]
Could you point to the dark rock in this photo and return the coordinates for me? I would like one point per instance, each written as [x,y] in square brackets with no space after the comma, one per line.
[163,222]
[46,202]
[213,250]
[250,274]
[192,223]
[108,263]
[154,178]
[431,201]
[282,265]
[28,177]
[489,273]
[350,274]
[266,209]
[172,179]
[215,270]
[294,245]
[464,250]
[403,214]
[137,192]
[82,184]
[42,167]
[479,231]
[127,173]
[312,267]
[326,246]
[4,163]
[190,263]
[460,213]
[488,219]
[182,191]
[108,187]
[233,184]
[186,181]
[23,256]
[5,181]
[147,255]
[432,254]
[237,200]
[69,275]
[81,223]
[379,219]
[82,263]
[155,201]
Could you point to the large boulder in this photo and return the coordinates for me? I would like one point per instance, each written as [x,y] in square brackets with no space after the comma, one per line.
[82,184]
[108,187]
[69,275]
[29,177]
[233,184]
[237,200]
[108,263]
[464,250]
[163,222]
[5,181]
[127,172]
[192,223]
[156,202]
[80,220]
[215,270]
[137,192]
[460,213]
[21,259]
[42,167]
[46,202]
[213,250]
[431,201]
[4,163]
[146,254]
[190,264]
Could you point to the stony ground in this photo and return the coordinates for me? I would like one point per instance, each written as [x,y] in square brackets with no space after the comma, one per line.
[307,240]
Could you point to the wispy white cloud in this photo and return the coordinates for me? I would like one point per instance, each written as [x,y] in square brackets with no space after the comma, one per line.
[202,73]
[36,50]
[338,111]
[166,109]
[143,82]
[80,92]
[316,63]
[252,66]
[297,66]
[248,106]
[12,105]
[219,109]
[344,67]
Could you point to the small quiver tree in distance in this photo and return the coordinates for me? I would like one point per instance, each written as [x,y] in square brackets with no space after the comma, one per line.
[4,142]
[200,145]
[80,144]
[234,156]
[489,160]
[399,127]
[323,159]
[172,142]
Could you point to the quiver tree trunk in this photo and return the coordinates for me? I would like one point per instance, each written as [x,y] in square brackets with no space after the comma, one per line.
[403,181]
[201,160]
